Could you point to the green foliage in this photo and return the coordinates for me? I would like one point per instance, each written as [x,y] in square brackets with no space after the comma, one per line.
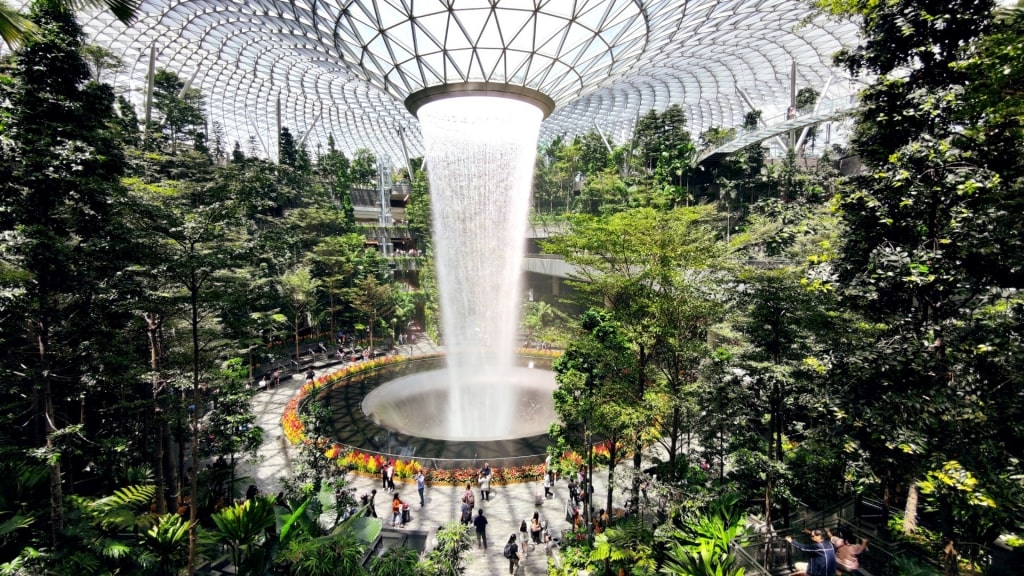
[399,561]
[931,260]
[339,553]
[446,559]
[242,528]
[167,543]
[702,546]
[629,546]
[179,114]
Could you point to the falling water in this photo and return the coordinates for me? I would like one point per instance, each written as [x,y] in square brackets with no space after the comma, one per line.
[480,153]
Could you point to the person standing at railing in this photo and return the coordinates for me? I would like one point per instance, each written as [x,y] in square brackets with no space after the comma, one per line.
[847,553]
[823,555]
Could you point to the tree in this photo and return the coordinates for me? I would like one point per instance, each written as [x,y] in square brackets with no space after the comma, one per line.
[932,257]
[363,170]
[596,394]
[180,110]
[63,240]
[374,301]
[15,28]
[594,154]
[636,265]
[298,288]
[288,154]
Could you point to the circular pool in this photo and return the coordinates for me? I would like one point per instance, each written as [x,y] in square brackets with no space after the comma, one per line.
[406,410]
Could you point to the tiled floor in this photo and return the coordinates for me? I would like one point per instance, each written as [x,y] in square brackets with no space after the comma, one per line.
[508,506]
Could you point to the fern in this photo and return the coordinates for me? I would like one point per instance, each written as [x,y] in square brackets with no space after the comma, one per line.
[115,549]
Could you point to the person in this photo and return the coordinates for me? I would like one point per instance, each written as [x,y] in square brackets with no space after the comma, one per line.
[466,516]
[847,553]
[281,501]
[480,523]
[599,521]
[367,501]
[511,552]
[535,528]
[524,540]
[421,485]
[950,559]
[384,477]
[549,479]
[310,375]
[551,549]
[570,510]
[468,497]
[396,512]
[252,492]
[823,554]
[574,492]
[485,482]
[390,472]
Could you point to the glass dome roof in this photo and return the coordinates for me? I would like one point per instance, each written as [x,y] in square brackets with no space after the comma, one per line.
[345,67]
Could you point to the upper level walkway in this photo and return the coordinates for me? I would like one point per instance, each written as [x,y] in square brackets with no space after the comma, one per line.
[780,124]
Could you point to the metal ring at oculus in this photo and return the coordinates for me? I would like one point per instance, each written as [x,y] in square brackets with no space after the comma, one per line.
[496,89]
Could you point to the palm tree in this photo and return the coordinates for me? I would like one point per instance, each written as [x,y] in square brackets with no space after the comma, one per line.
[14,27]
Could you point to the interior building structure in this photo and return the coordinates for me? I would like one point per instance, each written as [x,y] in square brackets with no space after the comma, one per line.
[346,68]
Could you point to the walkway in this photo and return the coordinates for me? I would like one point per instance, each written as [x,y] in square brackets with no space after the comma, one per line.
[508,506]
[774,126]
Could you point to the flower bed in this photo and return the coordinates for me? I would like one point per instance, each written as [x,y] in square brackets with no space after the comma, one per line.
[370,464]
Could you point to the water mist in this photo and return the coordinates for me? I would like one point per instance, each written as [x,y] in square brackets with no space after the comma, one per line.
[480,153]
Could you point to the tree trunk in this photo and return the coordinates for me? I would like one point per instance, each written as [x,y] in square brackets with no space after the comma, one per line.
[612,456]
[152,328]
[194,429]
[50,425]
[910,512]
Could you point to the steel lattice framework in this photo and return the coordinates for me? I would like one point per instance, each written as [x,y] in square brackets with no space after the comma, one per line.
[344,68]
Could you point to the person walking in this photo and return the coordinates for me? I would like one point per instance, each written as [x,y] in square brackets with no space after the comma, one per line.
[485,482]
[549,479]
[421,485]
[396,512]
[511,552]
[389,473]
[480,523]
[469,498]
[524,540]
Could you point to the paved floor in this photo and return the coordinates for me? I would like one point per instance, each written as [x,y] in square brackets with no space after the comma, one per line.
[508,506]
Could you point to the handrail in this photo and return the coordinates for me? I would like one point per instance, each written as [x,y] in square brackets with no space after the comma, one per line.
[780,123]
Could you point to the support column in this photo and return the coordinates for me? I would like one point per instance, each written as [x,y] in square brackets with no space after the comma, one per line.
[149,95]
[792,103]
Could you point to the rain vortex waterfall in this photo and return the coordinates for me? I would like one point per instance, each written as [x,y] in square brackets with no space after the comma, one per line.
[480,153]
